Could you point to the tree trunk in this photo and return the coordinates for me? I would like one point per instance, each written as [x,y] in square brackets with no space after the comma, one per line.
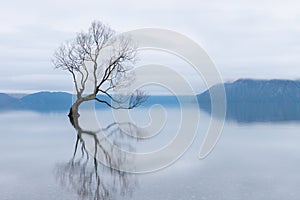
[73,113]
[74,110]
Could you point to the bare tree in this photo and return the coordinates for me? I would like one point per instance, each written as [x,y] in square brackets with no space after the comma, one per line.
[100,62]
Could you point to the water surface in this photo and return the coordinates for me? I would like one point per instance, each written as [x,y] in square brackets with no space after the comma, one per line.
[251,161]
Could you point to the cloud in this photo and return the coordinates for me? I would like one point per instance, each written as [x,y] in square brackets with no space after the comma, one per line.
[244,38]
[36,82]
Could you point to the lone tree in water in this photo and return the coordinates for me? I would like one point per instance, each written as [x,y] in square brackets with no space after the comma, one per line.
[100,63]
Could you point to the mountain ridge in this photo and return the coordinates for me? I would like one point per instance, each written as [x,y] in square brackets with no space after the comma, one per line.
[248,100]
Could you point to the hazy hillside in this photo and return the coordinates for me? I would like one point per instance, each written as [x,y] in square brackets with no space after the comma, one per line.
[8,102]
[259,100]
[47,101]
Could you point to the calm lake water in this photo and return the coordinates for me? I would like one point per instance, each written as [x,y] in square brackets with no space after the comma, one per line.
[250,161]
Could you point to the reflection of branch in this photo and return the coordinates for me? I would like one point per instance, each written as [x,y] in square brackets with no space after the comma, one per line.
[89,178]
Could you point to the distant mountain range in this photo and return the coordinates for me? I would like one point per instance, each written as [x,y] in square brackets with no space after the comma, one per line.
[41,101]
[62,101]
[259,100]
[248,100]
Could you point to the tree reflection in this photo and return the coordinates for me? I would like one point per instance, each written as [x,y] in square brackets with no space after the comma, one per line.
[85,175]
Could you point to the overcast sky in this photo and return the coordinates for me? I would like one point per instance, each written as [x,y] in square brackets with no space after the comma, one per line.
[253,39]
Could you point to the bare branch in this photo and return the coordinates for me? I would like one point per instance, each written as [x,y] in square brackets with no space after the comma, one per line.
[95,72]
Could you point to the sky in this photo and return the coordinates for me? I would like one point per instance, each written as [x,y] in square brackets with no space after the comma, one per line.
[245,39]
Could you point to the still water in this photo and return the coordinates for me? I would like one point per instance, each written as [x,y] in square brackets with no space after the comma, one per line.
[250,161]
